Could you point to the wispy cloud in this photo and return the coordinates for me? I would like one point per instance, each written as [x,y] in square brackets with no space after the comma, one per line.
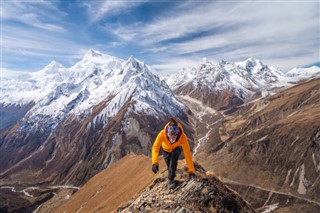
[97,10]
[236,30]
[39,14]
[167,34]
[31,42]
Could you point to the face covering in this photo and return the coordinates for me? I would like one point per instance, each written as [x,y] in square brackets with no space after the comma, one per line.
[172,138]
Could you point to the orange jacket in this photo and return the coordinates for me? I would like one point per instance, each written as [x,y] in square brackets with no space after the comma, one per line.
[169,147]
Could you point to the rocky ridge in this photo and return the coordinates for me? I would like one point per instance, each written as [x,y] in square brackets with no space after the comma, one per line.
[134,188]
[204,193]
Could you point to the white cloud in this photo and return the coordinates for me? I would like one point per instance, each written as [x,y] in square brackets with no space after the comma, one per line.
[9,73]
[169,66]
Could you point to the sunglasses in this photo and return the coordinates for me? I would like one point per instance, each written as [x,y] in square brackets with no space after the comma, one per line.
[173,130]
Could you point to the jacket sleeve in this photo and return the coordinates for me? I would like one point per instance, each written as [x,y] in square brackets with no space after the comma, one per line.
[156,148]
[187,153]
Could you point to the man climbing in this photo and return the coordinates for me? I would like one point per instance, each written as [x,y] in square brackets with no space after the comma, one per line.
[172,139]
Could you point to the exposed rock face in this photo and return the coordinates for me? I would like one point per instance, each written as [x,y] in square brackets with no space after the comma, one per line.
[272,143]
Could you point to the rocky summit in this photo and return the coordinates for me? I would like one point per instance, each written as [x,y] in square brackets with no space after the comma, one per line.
[204,193]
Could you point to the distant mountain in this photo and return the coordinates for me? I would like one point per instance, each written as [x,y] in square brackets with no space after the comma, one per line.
[58,92]
[71,123]
[226,85]
[303,73]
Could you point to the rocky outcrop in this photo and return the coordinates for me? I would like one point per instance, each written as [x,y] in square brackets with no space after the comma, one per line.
[204,193]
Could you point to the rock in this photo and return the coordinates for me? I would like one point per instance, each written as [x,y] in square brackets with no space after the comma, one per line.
[202,194]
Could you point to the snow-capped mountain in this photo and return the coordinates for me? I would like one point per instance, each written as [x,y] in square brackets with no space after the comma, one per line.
[92,113]
[304,73]
[224,85]
[58,92]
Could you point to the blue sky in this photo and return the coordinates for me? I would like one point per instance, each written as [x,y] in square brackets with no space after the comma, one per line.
[167,35]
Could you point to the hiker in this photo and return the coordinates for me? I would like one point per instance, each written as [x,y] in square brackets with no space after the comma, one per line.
[172,139]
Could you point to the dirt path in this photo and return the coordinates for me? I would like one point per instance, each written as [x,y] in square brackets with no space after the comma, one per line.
[270,190]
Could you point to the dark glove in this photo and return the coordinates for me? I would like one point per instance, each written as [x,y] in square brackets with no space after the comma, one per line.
[192,176]
[155,168]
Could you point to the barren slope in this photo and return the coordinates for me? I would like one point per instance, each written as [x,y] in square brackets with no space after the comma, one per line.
[273,143]
[113,186]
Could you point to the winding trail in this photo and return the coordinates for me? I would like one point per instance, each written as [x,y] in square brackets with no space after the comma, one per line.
[225,180]
[205,118]
[25,191]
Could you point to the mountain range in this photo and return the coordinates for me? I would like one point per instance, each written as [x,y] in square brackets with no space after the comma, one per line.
[62,126]
[71,123]
[226,85]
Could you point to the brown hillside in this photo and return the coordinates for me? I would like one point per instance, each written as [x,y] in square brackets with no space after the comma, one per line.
[272,144]
[113,186]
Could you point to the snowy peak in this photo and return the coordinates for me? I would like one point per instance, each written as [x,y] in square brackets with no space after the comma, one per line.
[55,64]
[52,68]
[93,53]
[304,72]
[132,61]
[94,57]
[133,64]
[256,67]
[250,63]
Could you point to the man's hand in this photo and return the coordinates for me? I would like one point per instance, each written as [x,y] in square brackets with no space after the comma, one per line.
[155,168]
[192,176]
